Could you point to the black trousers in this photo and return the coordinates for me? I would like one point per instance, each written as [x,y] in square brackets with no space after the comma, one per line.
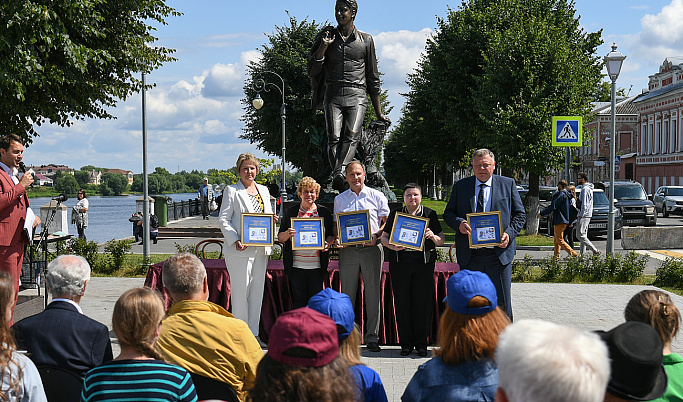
[413,286]
[304,284]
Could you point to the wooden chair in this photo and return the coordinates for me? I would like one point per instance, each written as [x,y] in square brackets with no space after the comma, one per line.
[202,246]
[451,251]
[60,385]
[208,388]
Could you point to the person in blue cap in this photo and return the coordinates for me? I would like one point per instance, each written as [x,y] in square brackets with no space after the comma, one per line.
[338,306]
[463,367]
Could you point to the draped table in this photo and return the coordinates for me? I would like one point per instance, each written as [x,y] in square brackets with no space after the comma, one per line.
[276,297]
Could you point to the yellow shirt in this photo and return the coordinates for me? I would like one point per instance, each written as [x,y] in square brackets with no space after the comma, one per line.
[205,339]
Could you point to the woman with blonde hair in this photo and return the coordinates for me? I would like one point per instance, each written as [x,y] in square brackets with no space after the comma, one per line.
[655,308]
[246,265]
[137,321]
[305,269]
[463,367]
[20,378]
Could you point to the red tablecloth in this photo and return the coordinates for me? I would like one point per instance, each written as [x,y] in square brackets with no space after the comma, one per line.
[276,297]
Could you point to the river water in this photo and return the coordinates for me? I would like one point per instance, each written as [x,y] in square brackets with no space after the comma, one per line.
[107,216]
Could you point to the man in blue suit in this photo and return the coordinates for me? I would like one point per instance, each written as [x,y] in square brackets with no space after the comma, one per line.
[61,336]
[486,192]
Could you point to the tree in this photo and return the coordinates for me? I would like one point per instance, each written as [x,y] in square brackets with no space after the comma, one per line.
[286,53]
[70,59]
[113,184]
[82,177]
[493,76]
[67,184]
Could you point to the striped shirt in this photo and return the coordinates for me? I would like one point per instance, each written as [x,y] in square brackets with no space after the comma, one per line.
[138,381]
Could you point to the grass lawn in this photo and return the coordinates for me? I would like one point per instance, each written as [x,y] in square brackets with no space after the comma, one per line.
[522,239]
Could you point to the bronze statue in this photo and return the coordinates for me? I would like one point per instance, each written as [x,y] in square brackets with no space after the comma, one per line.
[343,68]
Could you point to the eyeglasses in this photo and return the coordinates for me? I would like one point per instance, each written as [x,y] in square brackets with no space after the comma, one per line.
[484,166]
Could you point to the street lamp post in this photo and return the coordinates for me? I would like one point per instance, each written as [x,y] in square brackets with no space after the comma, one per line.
[613,61]
[261,85]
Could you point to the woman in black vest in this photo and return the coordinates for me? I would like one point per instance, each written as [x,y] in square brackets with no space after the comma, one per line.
[412,274]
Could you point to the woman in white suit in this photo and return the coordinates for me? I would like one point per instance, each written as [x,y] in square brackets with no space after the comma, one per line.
[246,265]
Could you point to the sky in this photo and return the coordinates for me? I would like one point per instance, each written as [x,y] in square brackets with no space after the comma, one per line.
[193,113]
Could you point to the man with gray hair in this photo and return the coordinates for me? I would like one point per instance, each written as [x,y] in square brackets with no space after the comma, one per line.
[486,192]
[200,336]
[539,361]
[61,336]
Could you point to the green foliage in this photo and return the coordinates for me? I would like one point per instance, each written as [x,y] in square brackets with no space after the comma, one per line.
[619,268]
[86,249]
[67,184]
[551,269]
[113,184]
[521,269]
[670,273]
[493,75]
[82,177]
[63,60]
[185,248]
[116,251]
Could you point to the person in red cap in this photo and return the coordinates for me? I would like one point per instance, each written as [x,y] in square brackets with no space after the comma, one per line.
[302,363]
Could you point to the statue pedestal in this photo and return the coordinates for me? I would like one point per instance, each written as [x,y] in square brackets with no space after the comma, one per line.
[60,223]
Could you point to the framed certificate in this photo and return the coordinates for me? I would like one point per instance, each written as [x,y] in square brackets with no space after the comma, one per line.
[257,229]
[486,230]
[408,231]
[354,227]
[310,234]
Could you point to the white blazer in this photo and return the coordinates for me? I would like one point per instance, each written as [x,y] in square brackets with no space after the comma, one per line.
[235,202]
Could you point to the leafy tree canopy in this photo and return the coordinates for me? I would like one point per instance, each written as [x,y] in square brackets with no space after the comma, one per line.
[113,184]
[62,60]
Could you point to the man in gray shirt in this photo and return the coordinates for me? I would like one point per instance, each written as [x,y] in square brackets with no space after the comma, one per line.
[585,213]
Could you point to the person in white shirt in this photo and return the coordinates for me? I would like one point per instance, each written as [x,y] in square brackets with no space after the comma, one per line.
[363,258]
[79,214]
[585,213]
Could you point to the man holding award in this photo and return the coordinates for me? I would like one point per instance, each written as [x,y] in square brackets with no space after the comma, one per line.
[487,194]
[364,257]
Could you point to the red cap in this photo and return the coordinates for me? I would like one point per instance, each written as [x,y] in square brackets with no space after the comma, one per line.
[307,329]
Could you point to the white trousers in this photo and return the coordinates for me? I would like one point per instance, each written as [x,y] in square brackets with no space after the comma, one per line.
[582,229]
[247,279]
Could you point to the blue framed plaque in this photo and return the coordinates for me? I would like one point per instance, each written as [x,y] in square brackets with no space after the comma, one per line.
[257,229]
[310,234]
[486,229]
[408,231]
[354,227]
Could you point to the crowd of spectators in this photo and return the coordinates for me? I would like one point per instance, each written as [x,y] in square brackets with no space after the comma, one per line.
[314,351]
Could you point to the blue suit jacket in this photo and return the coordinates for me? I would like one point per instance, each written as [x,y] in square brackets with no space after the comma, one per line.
[62,337]
[504,198]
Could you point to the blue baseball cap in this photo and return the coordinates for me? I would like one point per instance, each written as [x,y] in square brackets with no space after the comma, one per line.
[337,306]
[463,286]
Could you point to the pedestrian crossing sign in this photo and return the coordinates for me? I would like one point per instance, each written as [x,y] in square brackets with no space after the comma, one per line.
[567,131]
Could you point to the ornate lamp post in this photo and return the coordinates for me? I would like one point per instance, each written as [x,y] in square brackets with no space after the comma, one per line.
[261,85]
[613,61]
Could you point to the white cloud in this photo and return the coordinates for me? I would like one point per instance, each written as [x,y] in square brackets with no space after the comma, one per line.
[223,80]
[399,52]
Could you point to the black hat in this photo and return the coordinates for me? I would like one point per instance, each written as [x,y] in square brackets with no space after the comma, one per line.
[635,349]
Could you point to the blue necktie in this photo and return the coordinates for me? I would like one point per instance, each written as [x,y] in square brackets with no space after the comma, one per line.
[480,198]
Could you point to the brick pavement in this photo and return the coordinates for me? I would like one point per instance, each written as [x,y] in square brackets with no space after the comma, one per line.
[589,307]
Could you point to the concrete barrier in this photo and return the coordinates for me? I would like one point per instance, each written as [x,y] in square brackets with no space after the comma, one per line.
[651,237]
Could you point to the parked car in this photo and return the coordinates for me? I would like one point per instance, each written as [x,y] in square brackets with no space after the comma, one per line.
[598,223]
[668,200]
[636,209]
[599,219]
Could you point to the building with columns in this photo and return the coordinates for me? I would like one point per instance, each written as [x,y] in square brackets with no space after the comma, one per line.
[660,146]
